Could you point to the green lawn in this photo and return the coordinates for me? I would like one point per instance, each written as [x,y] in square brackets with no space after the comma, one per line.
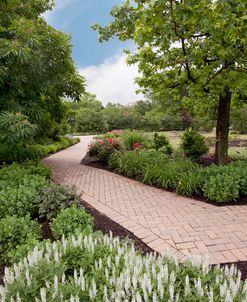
[235,152]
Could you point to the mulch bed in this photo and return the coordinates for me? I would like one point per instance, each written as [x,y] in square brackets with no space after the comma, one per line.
[235,142]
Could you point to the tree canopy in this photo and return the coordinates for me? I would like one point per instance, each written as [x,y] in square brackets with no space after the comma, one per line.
[36,66]
[194,49]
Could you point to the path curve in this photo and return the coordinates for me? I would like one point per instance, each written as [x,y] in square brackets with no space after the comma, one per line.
[160,219]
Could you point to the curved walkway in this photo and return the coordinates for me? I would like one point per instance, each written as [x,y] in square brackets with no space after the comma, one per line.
[161,219]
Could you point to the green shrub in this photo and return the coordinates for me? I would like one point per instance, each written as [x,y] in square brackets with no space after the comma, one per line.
[239,120]
[54,198]
[19,153]
[130,138]
[16,172]
[155,168]
[114,160]
[22,153]
[71,221]
[161,143]
[193,144]
[216,183]
[100,268]
[225,183]
[39,168]
[15,231]
[19,197]
[221,188]
[104,148]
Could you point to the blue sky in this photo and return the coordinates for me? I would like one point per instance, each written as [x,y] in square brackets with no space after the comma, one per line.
[103,65]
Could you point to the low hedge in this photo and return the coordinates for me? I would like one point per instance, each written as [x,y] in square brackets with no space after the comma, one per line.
[21,153]
[101,268]
[20,186]
[216,183]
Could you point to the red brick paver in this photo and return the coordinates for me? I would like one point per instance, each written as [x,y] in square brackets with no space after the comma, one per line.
[161,219]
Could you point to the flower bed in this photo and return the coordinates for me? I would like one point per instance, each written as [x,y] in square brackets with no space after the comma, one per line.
[100,268]
[153,161]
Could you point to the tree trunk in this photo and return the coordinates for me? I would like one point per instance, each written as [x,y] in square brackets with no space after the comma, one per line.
[222,130]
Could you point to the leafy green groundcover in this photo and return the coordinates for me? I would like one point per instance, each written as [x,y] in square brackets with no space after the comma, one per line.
[216,183]
[21,153]
[26,192]
[101,268]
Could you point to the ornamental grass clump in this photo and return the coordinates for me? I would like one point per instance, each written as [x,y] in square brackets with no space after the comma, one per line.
[101,268]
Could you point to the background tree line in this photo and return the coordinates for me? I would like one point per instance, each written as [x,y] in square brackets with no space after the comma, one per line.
[88,115]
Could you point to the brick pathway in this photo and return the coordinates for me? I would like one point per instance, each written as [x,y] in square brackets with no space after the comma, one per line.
[161,219]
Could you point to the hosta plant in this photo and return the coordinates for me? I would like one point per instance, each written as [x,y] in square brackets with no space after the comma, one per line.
[100,268]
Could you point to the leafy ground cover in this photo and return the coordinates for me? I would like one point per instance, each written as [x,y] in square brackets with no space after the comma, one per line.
[153,161]
[19,153]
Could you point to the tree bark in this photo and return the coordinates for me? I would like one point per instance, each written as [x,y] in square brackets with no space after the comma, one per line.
[222,129]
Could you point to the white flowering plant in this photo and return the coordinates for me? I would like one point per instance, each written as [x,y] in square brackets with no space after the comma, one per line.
[101,268]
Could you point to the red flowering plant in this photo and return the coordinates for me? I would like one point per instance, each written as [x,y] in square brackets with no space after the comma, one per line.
[103,148]
[137,146]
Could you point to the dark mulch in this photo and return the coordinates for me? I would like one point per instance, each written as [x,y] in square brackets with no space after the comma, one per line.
[46,230]
[235,142]
[209,159]
[106,225]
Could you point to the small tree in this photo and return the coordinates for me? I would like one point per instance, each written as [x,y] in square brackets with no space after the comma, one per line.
[196,49]
[15,129]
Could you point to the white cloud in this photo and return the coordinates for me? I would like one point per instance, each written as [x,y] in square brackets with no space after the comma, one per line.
[112,81]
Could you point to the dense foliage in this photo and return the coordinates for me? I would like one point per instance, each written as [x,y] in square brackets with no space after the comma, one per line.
[90,116]
[20,153]
[36,65]
[104,148]
[54,198]
[193,144]
[26,191]
[15,231]
[161,143]
[219,184]
[100,268]
[71,221]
